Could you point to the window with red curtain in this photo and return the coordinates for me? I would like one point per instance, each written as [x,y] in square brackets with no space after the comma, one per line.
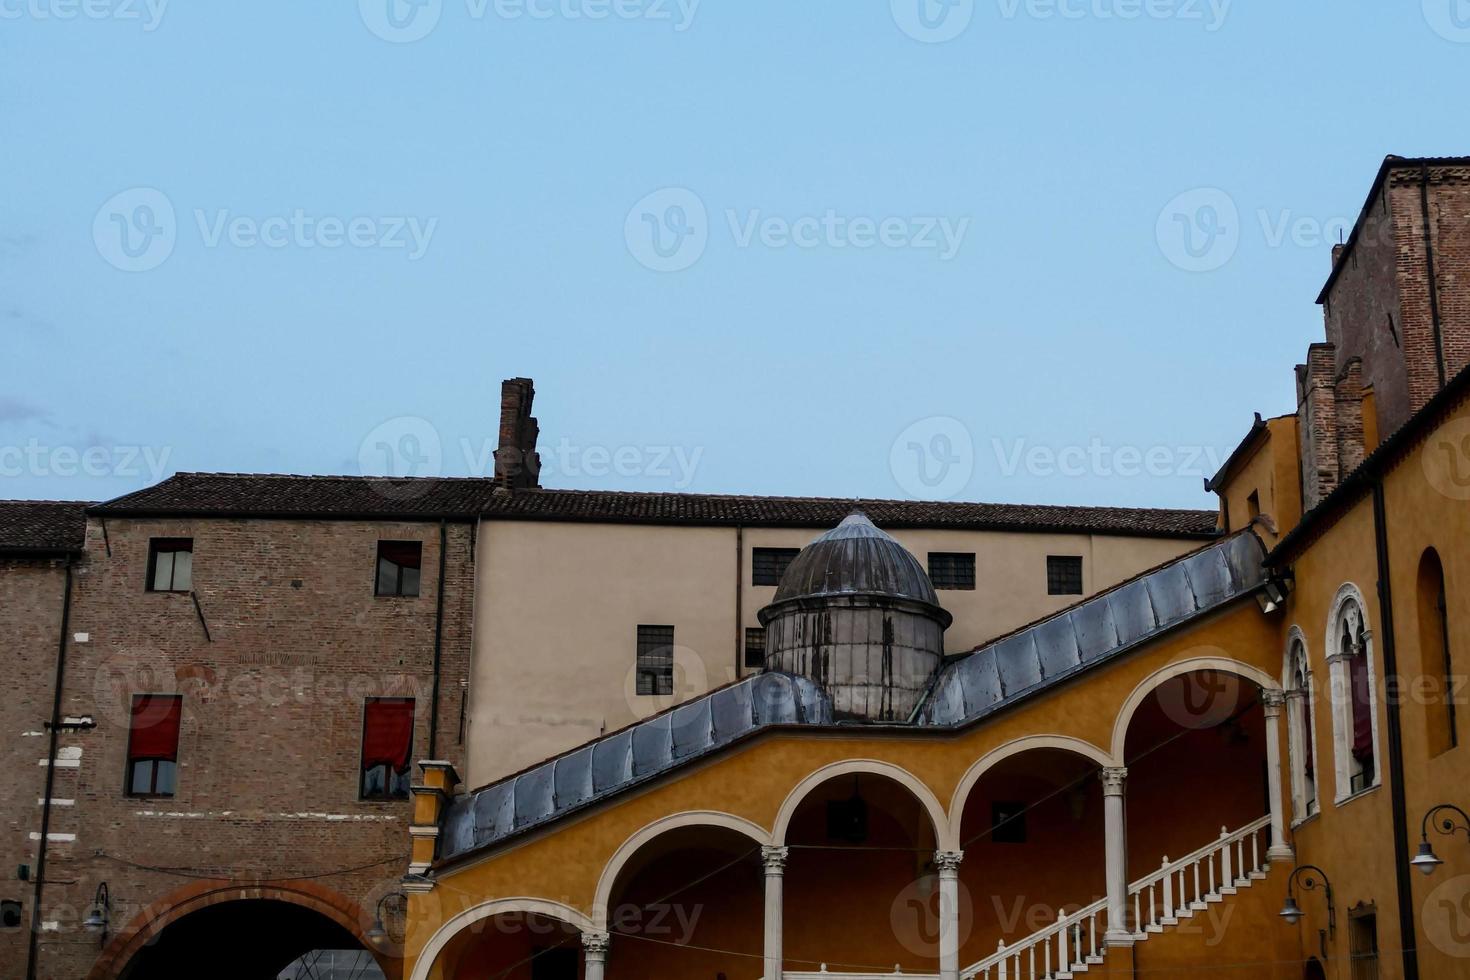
[387,747]
[1362,702]
[153,744]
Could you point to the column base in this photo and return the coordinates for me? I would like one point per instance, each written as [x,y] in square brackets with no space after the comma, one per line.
[1120,963]
[1278,853]
[1113,939]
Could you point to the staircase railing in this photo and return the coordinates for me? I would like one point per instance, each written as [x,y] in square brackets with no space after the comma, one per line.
[1177,890]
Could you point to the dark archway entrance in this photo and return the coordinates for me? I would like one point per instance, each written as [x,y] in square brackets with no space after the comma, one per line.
[253,939]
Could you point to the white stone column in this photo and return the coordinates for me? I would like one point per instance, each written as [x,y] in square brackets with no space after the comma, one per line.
[1116,830]
[774,859]
[948,863]
[594,947]
[1271,702]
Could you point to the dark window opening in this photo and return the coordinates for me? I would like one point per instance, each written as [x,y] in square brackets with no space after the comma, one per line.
[847,820]
[655,660]
[767,565]
[1063,575]
[398,568]
[1363,751]
[10,914]
[1008,823]
[1253,504]
[1363,945]
[387,748]
[170,564]
[153,744]
[952,570]
[755,647]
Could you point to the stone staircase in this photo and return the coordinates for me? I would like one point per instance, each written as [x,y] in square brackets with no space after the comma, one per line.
[1074,944]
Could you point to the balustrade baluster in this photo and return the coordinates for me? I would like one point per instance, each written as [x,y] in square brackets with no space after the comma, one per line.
[1226,878]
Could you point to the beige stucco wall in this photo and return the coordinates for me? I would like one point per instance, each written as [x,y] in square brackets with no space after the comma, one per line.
[558,606]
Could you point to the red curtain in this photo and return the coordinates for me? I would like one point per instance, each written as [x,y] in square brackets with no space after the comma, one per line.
[1362,708]
[387,733]
[155,727]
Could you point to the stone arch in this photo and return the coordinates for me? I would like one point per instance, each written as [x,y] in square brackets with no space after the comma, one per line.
[1179,668]
[994,757]
[148,924]
[442,936]
[903,777]
[694,818]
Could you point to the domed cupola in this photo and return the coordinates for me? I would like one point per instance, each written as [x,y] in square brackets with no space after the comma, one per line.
[857,613]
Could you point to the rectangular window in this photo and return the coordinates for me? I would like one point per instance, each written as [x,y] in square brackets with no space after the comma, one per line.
[153,744]
[170,564]
[1063,575]
[398,567]
[1008,823]
[387,748]
[952,570]
[767,565]
[755,647]
[655,660]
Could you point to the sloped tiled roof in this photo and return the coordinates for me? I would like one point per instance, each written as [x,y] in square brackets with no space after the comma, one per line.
[970,688]
[42,526]
[232,494]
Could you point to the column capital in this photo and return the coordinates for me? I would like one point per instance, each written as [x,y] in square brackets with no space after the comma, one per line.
[1113,778]
[948,862]
[1271,702]
[596,944]
[774,858]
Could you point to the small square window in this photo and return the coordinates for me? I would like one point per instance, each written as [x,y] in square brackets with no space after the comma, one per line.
[1008,823]
[171,565]
[755,647]
[952,570]
[767,565]
[398,567]
[387,748]
[153,744]
[1063,575]
[655,660]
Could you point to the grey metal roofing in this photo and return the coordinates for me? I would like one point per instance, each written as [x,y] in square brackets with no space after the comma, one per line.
[981,683]
[1094,630]
[855,558]
[42,526]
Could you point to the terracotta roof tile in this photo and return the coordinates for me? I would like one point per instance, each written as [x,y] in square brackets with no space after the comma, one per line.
[50,526]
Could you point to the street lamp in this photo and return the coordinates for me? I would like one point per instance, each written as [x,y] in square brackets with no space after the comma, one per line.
[97,919]
[1292,912]
[377,934]
[1426,860]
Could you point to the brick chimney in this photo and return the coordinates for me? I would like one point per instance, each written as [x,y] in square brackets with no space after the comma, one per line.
[1316,389]
[517,464]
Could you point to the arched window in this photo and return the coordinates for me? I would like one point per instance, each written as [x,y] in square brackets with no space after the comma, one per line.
[1354,696]
[1436,664]
[1302,727]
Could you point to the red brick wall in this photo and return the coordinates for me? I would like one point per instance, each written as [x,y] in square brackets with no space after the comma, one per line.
[270,741]
[30,626]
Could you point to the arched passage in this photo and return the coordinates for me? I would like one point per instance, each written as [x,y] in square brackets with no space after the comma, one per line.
[1194,740]
[685,897]
[1030,821]
[861,885]
[516,933]
[243,931]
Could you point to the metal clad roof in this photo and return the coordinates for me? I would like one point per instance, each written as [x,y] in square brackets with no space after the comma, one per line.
[966,690]
[856,558]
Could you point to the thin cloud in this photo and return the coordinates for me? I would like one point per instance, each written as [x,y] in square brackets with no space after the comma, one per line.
[15,410]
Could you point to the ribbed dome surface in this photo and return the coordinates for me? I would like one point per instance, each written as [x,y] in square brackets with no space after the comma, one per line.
[856,558]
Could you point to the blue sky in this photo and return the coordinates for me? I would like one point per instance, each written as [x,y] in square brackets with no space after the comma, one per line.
[279,236]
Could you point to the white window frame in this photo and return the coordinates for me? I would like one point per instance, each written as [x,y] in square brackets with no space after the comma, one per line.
[1306,795]
[1350,606]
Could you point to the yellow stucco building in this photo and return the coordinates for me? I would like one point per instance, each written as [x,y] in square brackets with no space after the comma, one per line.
[1140,784]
